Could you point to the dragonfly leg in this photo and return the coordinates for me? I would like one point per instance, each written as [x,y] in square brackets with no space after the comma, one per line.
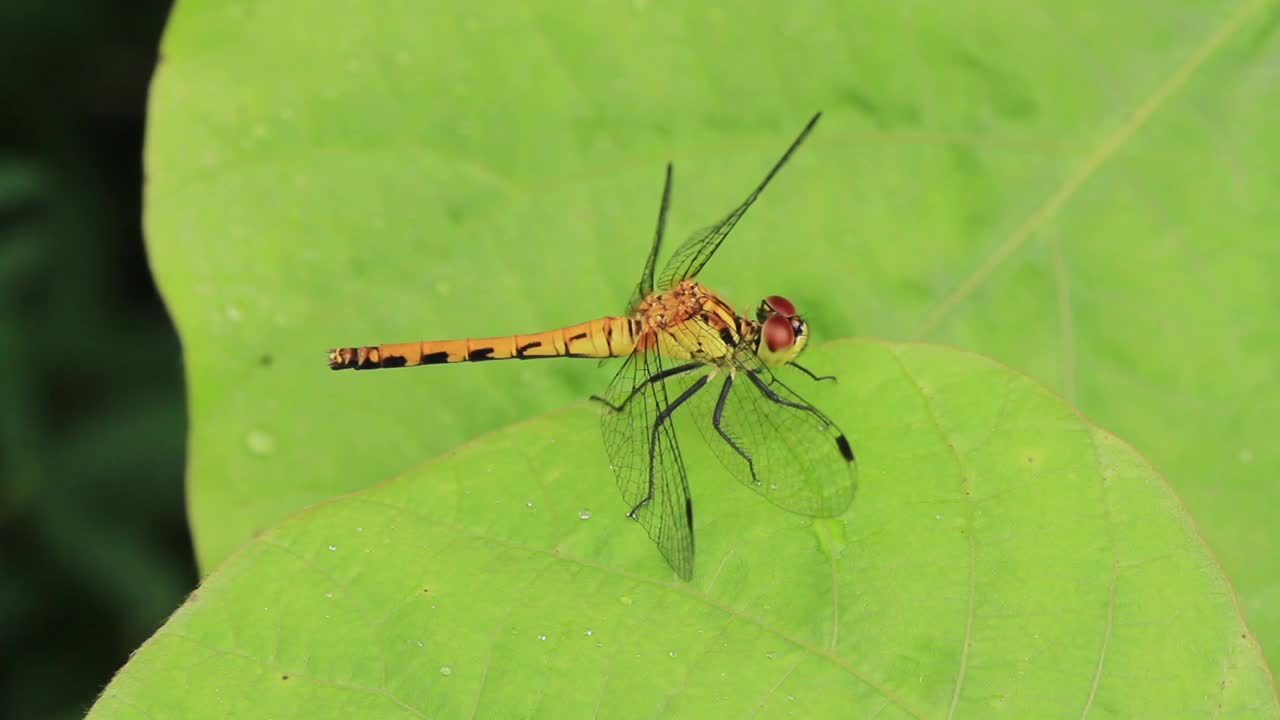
[810,373]
[663,416]
[775,397]
[842,443]
[656,377]
[715,422]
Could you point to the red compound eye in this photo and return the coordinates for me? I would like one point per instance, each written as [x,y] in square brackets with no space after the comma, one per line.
[781,305]
[778,333]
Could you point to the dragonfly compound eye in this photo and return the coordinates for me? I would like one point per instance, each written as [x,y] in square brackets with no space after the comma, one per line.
[780,305]
[778,333]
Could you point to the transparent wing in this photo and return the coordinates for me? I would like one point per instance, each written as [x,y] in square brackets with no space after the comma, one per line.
[645,457]
[775,442]
[645,286]
[688,259]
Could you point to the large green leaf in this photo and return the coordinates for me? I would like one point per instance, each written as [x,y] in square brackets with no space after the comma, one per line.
[1005,557]
[1083,190]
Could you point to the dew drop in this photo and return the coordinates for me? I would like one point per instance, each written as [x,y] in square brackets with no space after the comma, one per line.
[938,516]
[260,443]
[625,600]
[584,514]
[333,547]
[672,653]
[445,670]
[542,637]
[587,632]
[529,504]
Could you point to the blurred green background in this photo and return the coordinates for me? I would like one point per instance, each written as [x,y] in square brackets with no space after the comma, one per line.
[94,550]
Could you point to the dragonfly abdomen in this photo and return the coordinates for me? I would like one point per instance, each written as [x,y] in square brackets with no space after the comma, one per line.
[599,338]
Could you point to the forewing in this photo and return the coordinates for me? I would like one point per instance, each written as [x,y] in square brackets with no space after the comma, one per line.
[645,286]
[648,466]
[776,443]
[689,259]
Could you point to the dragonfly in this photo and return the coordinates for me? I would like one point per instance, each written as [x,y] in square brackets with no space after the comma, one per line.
[687,350]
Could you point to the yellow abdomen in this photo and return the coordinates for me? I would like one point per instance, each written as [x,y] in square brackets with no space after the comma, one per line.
[600,338]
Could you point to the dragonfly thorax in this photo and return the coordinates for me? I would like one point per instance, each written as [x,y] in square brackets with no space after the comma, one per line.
[690,322]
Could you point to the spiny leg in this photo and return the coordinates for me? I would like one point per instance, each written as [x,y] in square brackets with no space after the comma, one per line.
[656,377]
[775,397]
[842,443]
[716,423]
[810,373]
[663,416]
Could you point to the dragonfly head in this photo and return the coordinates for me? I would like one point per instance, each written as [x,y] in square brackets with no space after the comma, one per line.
[783,333]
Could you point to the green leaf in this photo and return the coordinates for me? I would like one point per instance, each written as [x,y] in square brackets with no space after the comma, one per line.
[1084,191]
[1004,557]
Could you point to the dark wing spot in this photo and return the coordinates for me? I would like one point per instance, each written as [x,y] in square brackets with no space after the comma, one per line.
[434,358]
[520,351]
[845,450]
[688,512]
[727,336]
[390,361]
[480,354]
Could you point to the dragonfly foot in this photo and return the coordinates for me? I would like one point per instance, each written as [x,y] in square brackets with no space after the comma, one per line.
[615,408]
[812,374]
[639,505]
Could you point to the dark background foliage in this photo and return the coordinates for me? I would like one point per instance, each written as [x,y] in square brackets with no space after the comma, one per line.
[94,552]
